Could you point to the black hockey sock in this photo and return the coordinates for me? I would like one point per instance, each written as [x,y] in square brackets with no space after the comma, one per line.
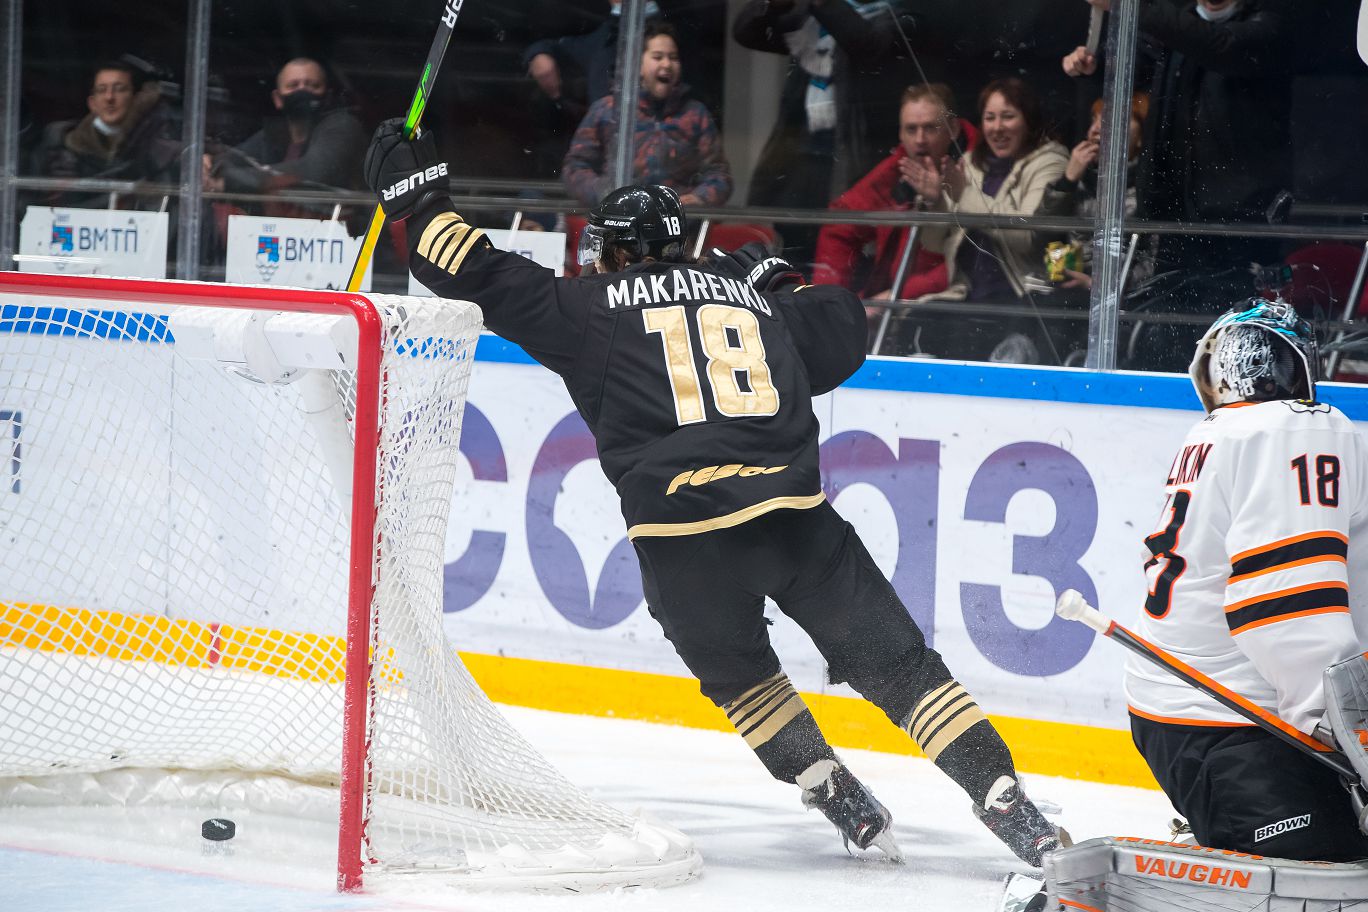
[948,725]
[778,726]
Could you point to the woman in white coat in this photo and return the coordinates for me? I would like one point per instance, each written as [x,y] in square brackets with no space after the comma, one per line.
[1006,175]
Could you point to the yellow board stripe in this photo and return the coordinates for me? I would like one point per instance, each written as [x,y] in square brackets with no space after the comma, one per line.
[1047,748]
[172,641]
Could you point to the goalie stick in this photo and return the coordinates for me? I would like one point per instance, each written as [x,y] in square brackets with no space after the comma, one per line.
[1073,607]
[450,10]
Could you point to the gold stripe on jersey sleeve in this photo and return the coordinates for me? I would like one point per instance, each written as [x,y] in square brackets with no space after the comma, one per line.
[447,241]
[726,522]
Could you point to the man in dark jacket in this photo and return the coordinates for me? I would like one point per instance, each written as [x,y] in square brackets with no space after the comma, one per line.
[129,134]
[696,380]
[308,145]
[835,101]
[1217,144]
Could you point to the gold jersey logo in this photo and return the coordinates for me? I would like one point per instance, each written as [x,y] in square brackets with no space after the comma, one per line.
[698,477]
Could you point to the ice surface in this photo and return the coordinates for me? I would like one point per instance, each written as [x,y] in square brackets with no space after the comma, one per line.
[762,850]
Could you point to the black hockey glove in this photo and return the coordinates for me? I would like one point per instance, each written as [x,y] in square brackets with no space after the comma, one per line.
[405,174]
[752,263]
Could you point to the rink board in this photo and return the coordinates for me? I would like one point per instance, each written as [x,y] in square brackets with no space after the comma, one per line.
[981,490]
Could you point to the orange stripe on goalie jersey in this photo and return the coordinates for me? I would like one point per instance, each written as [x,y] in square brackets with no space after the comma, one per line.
[1287,604]
[1216,687]
[1325,546]
[1284,542]
[1176,720]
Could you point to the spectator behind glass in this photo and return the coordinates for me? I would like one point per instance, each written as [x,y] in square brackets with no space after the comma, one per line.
[591,59]
[835,103]
[567,74]
[1075,193]
[310,143]
[677,142]
[1218,144]
[129,133]
[1006,174]
[864,258]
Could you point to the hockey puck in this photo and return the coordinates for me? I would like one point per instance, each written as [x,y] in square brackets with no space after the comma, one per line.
[218,829]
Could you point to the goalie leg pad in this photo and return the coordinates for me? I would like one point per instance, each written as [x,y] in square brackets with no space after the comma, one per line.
[1145,875]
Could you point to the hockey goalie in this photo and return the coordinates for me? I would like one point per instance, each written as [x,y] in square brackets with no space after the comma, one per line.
[1253,590]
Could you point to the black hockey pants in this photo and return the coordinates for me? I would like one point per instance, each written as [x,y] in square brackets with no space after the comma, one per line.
[708,593]
[1244,790]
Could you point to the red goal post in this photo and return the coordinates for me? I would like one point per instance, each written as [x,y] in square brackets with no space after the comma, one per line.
[240,578]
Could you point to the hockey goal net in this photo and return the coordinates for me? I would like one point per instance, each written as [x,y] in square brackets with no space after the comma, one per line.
[223,513]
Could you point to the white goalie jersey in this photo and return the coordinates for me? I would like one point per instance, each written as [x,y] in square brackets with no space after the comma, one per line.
[1251,567]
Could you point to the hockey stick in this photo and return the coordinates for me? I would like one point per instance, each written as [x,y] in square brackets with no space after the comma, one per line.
[450,10]
[1073,607]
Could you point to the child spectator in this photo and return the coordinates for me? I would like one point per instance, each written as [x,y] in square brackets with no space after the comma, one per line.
[677,142]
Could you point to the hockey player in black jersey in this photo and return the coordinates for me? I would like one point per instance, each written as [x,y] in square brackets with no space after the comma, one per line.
[696,379]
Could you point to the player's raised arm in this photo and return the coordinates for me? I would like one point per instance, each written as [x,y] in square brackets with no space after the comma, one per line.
[521,300]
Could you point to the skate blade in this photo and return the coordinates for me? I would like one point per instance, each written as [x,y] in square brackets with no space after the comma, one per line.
[885,843]
[1022,893]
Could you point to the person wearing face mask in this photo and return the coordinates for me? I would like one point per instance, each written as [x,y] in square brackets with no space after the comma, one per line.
[1006,174]
[128,133]
[309,143]
[677,140]
[1218,139]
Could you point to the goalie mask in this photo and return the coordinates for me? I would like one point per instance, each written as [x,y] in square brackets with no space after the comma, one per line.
[645,220]
[1260,352]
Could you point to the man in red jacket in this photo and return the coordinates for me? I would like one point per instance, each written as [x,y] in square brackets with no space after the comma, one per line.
[864,258]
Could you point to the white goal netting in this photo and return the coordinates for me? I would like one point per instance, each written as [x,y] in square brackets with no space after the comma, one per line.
[176,523]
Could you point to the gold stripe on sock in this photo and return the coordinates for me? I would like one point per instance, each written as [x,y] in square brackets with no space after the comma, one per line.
[952,729]
[930,721]
[928,704]
[790,709]
[737,709]
[759,713]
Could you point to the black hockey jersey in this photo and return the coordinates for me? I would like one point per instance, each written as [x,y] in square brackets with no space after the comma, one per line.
[697,388]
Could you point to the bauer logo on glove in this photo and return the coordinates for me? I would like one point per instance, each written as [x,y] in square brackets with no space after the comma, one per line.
[404,173]
[414,181]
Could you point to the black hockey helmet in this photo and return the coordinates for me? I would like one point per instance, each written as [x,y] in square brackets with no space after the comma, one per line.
[645,219]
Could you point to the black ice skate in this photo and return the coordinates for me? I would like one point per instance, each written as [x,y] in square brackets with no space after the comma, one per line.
[1017,822]
[857,814]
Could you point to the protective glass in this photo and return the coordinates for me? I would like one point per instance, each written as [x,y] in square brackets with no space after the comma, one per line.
[591,244]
